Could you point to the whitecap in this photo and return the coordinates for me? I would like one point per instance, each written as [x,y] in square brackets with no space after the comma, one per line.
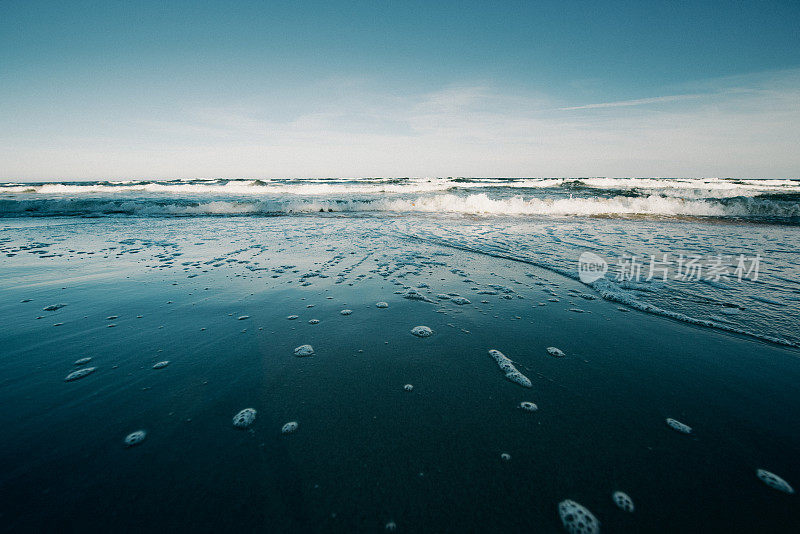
[528,406]
[555,352]
[381,304]
[82,361]
[161,365]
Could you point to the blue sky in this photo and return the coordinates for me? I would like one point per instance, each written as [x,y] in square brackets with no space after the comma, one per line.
[250,89]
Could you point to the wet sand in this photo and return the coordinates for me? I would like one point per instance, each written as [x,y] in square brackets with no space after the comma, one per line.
[212,298]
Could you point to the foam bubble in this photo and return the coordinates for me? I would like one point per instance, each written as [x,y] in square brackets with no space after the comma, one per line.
[413,294]
[53,307]
[508,368]
[408,387]
[505,457]
[346,312]
[82,361]
[161,365]
[381,304]
[313,321]
[135,438]
[678,426]
[243,317]
[577,519]
[304,350]
[518,378]
[292,317]
[245,418]
[623,501]
[80,373]
[460,301]
[774,481]
[422,331]
[528,406]
[289,427]
[555,352]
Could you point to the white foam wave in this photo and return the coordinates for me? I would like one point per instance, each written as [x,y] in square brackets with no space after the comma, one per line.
[483,204]
[473,204]
[653,205]
[607,289]
[691,188]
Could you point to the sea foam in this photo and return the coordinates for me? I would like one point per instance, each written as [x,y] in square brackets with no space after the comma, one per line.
[508,368]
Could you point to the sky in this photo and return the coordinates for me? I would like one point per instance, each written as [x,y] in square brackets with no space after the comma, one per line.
[149,90]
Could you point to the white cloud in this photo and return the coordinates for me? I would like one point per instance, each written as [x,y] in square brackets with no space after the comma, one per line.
[740,127]
[636,102]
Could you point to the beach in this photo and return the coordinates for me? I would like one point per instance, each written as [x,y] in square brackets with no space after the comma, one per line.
[227,300]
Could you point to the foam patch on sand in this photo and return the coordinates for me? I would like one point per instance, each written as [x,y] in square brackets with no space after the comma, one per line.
[774,481]
[289,427]
[678,426]
[80,373]
[135,438]
[422,331]
[245,418]
[623,501]
[304,350]
[577,519]
[508,368]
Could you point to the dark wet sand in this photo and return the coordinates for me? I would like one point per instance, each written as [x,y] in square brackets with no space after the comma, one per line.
[366,452]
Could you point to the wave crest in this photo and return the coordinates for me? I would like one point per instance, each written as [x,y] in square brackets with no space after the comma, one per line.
[473,204]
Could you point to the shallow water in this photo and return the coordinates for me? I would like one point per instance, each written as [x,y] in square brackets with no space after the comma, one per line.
[366,451]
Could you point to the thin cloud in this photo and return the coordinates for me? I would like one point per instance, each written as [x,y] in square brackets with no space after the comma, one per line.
[637,102]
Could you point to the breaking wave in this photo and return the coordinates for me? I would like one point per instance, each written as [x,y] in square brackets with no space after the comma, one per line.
[471,204]
[770,200]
